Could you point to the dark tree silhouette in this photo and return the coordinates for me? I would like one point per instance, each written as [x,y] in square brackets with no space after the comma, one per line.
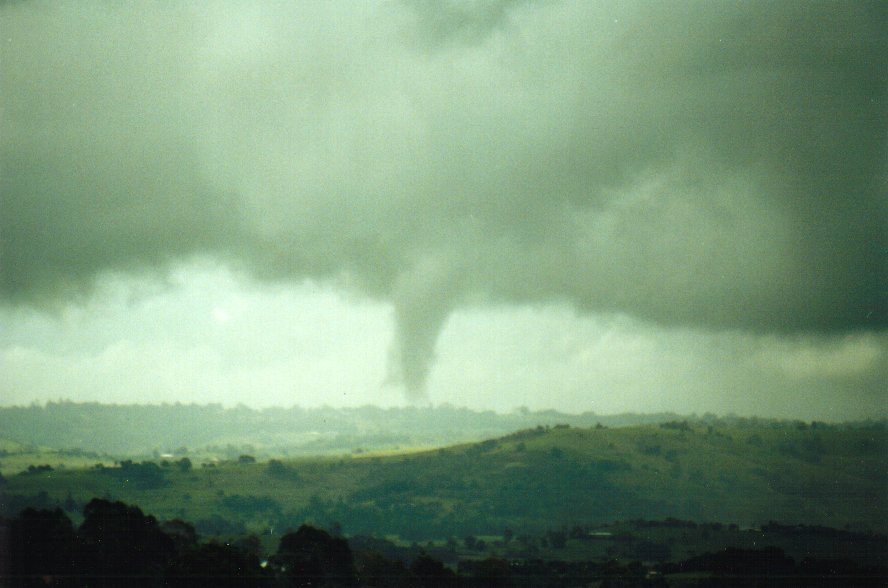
[42,545]
[182,533]
[312,557]
[493,572]
[121,541]
[214,565]
[374,569]
[432,573]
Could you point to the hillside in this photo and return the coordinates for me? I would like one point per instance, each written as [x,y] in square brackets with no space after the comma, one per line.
[146,430]
[529,481]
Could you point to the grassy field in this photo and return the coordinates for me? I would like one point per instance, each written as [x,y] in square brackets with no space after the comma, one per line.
[530,482]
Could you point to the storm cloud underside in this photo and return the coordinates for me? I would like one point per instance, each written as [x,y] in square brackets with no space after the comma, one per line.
[711,166]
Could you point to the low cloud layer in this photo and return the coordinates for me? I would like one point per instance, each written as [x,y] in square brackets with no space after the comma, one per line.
[710,166]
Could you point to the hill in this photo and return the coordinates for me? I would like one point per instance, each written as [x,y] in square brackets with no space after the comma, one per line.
[536,479]
[146,430]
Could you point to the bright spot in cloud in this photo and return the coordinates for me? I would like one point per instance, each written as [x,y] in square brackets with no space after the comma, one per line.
[220,315]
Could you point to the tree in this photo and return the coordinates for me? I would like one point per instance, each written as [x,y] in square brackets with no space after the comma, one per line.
[312,557]
[432,572]
[215,564]
[32,469]
[121,540]
[42,543]
[494,572]
[374,569]
[277,469]
[184,465]
[182,533]
[146,475]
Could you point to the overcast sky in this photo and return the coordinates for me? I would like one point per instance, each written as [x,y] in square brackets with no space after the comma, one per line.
[607,206]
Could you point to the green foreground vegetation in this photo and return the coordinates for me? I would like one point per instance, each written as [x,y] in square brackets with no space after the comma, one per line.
[675,497]
[530,481]
[117,543]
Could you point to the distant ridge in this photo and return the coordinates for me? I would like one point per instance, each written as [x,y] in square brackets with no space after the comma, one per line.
[132,430]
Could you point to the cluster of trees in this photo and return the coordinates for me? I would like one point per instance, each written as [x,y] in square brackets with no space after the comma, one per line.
[37,469]
[145,475]
[771,566]
[117,544]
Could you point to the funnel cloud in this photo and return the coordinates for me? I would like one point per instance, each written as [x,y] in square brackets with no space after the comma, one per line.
[712,166]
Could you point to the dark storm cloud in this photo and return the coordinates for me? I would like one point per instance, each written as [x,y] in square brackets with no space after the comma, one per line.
[711,165]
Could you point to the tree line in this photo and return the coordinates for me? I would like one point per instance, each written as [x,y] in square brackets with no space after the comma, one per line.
[118,544]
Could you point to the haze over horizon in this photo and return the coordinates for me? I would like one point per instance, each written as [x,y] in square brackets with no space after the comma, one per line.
[609,207]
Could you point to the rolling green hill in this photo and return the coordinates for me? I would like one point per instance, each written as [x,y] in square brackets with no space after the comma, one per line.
[532,480]
[146,430]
